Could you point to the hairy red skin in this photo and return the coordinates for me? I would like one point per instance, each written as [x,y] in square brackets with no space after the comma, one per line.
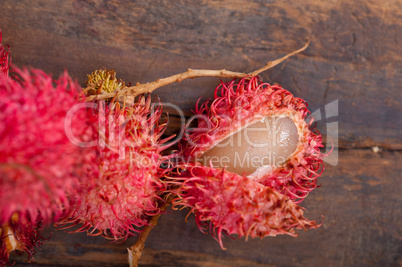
[40,168]
[41,171]
[235,204]
[128,172]
[236,105]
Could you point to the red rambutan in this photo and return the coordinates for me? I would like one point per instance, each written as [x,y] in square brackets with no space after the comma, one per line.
[260,158]
[258,130]
[40,169]
[128,173]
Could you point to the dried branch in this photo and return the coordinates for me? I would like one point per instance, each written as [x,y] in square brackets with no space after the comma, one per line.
[272,64]
[135,251]
[138,89]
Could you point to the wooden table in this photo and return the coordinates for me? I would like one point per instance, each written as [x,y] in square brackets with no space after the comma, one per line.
[355,57]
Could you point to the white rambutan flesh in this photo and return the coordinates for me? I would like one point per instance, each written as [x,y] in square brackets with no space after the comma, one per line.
[264,144]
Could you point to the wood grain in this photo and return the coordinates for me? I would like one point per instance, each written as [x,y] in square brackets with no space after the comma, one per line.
[359,199]
[355,57]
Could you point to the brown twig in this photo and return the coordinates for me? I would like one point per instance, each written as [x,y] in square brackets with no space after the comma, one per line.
[189,74]
[135,251]
[272,64]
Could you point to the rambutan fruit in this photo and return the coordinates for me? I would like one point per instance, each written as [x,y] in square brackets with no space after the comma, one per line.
[41,171]
[128,171]
[249,159]
[4,56]
[258,130]
[235,204]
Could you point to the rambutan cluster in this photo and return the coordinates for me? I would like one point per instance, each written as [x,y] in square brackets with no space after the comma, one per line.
[128,176]
[102,166]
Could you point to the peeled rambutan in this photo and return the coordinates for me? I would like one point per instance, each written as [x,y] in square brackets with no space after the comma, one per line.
[259,130]
[4,56]
[41,171]
[235,204]
[129,171]
[248,158]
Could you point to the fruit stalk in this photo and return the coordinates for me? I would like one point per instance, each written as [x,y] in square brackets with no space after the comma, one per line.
[139,89]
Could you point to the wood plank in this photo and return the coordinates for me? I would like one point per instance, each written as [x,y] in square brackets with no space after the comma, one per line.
[355,55]
[362,227]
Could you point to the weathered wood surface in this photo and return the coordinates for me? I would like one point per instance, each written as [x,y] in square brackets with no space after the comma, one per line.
[359,198]
[355,57]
